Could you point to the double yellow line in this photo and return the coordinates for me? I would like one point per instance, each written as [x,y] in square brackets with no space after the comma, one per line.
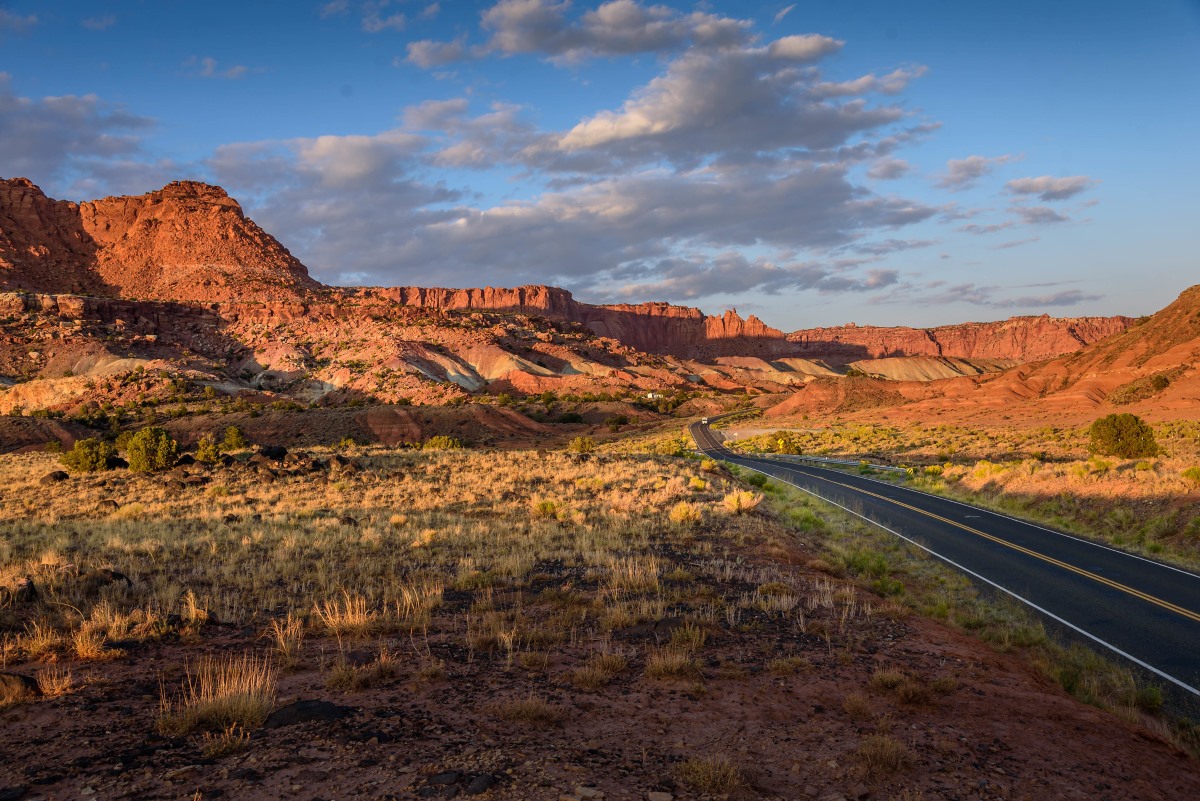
[1179,610]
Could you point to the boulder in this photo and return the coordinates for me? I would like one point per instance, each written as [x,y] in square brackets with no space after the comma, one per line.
[54,477]
[276,452]
[304,711]
[116,463]
[98,579]
[18,687]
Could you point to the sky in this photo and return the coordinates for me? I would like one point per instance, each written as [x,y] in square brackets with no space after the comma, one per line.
[813,163]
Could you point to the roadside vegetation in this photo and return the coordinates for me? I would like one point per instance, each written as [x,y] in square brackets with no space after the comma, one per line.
[1055,477]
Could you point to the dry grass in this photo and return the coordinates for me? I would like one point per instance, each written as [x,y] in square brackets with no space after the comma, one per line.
[882,755]
[56,681]
[600,670]
[671,663]
[221,692]
[739,502]
[230,741]
[287,637]
[712,775]
[530,710]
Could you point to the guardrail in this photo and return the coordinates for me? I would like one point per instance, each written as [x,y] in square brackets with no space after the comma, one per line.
[823,460]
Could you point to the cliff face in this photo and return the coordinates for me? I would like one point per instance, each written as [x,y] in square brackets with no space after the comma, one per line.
[1023,339]
[651,327]
[185,242]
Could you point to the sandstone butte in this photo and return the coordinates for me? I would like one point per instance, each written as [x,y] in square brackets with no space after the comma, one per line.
[191,242]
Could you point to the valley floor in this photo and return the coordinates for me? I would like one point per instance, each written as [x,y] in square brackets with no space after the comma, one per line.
[515,624]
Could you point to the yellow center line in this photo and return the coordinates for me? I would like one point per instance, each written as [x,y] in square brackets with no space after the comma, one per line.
[1058,563]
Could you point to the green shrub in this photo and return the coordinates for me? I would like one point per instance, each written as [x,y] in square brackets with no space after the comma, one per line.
[207,451]
[441,442]
[151,449]
[1192,474]
[581,445]
[1123,435]
[234,440]
[88,455]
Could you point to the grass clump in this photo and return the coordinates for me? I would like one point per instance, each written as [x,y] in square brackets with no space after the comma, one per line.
[686,514]
[530,710]
[441,442]
[712,775]
[740,502]
[220,692]
[882,754]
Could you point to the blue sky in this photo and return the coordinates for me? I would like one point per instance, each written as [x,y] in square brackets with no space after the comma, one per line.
[813,163]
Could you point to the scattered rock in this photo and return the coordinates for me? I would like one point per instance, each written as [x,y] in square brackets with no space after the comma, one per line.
[480,784]
[347,520]
[54,477]
[276,452]
[186,459]
[448,777]
[659,796]
[23,590]
[115,463]
[304,711]
[18,687]
[96,580]
[109,505]
[230,519]
[12,793]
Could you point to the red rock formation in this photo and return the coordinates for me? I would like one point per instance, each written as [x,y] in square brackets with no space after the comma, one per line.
[185,242]
[1024,339]
[651,327]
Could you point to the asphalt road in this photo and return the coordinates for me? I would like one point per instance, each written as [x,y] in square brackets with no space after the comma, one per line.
[1145,611]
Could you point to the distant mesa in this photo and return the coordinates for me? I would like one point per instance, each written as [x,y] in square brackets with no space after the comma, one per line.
[190,241]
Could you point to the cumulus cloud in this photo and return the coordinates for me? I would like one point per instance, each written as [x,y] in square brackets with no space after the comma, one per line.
[992,296]
[52,139]
[209,67]
[1038,215]
[893,83]
[735,101]
[618,27]
[963,173]
[12,21]
[427,53]
[731,273]
[377,19]
[1048,188]
[986,229]
[99,23]
[888,169]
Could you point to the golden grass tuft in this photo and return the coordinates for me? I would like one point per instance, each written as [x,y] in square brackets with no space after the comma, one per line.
[230,741]
[599,670]
[712,775]
[740,502]
[671,663]
[222,692]
[530,710]
[686,514]
[882,755]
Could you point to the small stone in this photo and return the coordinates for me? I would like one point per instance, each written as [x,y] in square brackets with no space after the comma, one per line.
[659,796]
[87,791]
[480,784]
[588,793]
[449,777]
[179,773]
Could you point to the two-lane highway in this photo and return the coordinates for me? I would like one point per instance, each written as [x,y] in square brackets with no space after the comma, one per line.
[1145,611]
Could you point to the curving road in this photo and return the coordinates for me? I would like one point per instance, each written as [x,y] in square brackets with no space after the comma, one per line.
[1145,611]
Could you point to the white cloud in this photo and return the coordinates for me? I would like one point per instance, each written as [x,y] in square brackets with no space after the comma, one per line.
[12,21]
[1049,188]
[209,67]
[53,139]
[783,12]
[1038,215]
[427,53]
[732,101]
[888,169]
[99,23]
[963,173]
[618,27]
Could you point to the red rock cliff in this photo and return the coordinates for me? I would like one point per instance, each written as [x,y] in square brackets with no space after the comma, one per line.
[188,241]
[1025,339]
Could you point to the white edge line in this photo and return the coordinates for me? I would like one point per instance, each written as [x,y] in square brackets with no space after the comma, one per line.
[1023,600]
[1075,538]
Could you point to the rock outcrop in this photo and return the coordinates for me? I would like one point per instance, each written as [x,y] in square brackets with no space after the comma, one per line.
[188,241]
[1021,339]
